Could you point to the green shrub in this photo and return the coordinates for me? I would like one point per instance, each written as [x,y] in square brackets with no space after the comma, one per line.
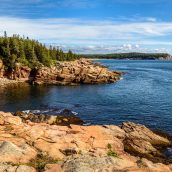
[110,151]
[40,161]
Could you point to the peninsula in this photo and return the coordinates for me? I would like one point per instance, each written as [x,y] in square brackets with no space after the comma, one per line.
[26,60]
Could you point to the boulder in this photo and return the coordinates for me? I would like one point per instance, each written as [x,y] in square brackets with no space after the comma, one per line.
[90,163]
[141,140]
[9,152]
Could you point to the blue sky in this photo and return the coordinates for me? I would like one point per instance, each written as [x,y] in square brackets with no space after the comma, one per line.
[92,26]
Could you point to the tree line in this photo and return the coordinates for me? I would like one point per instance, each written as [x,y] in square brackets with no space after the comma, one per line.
[130,56]
[16,49]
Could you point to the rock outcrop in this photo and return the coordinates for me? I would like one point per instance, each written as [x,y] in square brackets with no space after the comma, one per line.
[75,72]
[166,58]
[62,119]
[2,69]
[81,71]
[140,140]
[14,77]
[10,152]
[19,72]
[29,146]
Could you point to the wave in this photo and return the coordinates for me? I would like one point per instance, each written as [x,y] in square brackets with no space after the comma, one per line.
[52,111]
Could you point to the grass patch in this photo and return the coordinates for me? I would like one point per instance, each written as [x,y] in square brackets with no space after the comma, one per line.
[110,151]
[40,161]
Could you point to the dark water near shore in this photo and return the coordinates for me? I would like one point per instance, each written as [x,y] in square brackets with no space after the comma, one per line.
[144,96]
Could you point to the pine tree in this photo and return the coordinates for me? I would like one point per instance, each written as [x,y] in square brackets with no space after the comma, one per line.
[30,52]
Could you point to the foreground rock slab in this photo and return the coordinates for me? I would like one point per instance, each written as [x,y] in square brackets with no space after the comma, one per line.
[29,146]
[10,152]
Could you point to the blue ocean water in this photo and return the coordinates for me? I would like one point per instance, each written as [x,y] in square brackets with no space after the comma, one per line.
[144,95]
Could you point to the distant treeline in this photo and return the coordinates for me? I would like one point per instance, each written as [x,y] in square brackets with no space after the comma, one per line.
[130,56]
[29,52]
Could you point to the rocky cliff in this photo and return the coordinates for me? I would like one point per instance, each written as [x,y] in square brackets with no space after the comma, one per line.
[75,72]
[2,69]
[19,72]
[166,58]
[63,73]
[27,146]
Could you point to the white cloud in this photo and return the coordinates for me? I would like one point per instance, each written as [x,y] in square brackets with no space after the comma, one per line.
[127,46]
[92,33]
[78,29]
[137,46]
[107,49]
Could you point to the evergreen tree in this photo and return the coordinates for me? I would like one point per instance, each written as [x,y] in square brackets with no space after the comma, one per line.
[30,52]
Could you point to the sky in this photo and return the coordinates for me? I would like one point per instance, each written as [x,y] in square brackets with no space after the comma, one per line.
[92,26]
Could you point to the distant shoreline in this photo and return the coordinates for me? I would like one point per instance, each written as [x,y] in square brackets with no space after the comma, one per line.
[130,56]
[129,59]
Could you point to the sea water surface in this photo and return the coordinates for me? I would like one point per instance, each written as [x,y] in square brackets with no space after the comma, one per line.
[144,95]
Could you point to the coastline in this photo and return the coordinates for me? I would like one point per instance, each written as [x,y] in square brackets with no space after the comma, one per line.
[75,72]
[86,86]
[130,59]
[48,143]
[131,56]
[22,73]
[39,146]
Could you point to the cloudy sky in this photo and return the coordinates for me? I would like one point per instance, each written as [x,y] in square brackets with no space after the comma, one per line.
[92,26]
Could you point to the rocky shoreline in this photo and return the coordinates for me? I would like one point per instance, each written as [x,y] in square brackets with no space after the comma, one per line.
[30,144]
[81,71]
[43,143]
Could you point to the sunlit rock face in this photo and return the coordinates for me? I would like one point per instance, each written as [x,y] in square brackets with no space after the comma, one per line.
[32,146]
[81,71]
[1,69]
[75,72]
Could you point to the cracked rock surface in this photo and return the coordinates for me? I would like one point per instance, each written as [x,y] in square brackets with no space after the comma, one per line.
[27,146]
